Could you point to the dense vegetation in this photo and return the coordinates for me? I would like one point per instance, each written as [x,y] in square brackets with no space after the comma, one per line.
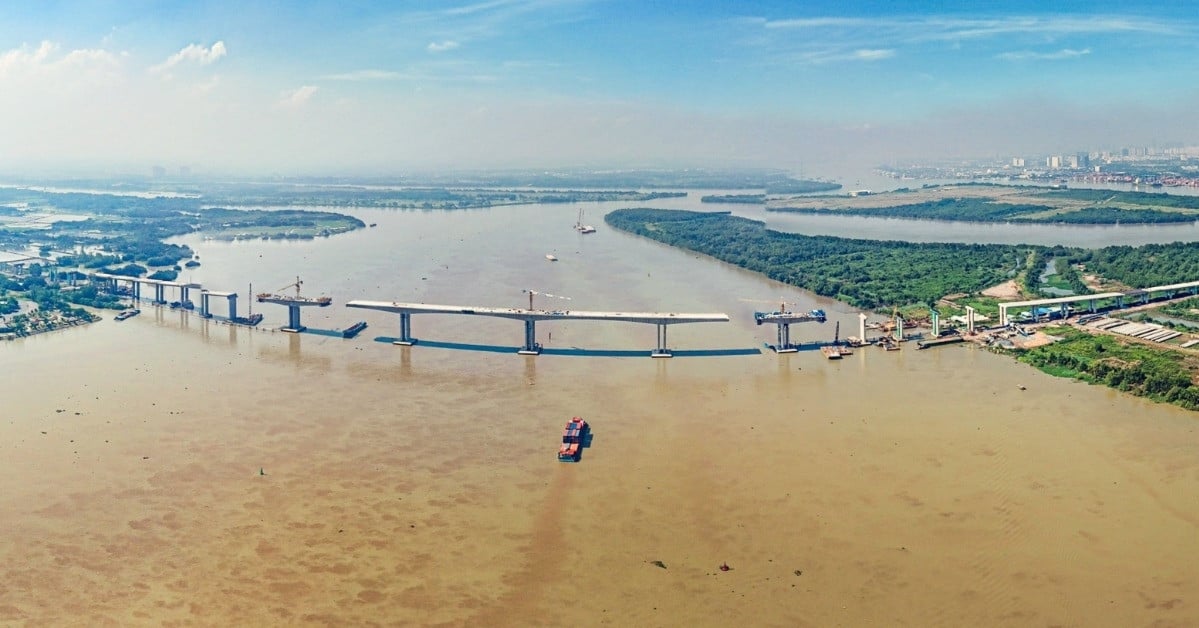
[865,273]
[872,274]
[976,209]
[1142,266]
[1132,198]
[749,199]
[1167,376]
[427,198]
[133,229]
[1187,309]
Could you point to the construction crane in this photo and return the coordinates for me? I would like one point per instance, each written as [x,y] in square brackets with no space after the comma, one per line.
[531,293]
[783,319]
[295,285]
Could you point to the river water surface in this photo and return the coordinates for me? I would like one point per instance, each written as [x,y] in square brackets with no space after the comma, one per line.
[168,470]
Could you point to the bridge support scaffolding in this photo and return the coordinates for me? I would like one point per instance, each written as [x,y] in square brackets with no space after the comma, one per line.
[406,338]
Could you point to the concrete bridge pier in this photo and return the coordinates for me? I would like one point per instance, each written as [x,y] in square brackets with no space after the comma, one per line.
[784,339]
[406,338]
[662,351]
[233,306]
[531,347]
[936,320]
[159,294]
[136,290]
[293,319]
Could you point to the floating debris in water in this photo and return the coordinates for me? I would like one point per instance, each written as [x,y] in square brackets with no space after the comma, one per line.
[658,563]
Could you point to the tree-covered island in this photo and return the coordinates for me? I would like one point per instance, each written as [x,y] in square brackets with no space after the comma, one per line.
[881,275]
[1001,203]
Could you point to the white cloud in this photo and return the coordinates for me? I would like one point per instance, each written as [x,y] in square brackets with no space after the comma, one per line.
[834,55]
[442,46]
[365,75]
[192,53]
[1028,55]
[44,61]
[940,28]
[23,59]
[298,96]
[872,54]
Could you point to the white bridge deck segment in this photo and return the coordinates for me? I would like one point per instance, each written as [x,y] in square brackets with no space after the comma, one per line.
[530,317]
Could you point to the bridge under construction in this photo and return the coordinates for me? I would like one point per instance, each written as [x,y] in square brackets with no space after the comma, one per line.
[531,316]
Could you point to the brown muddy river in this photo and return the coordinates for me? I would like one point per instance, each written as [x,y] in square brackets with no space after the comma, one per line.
[167,470]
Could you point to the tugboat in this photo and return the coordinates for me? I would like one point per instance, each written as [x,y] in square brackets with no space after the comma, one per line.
[127,314]
[573,440]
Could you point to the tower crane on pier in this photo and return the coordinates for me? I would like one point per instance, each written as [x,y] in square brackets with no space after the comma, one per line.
[295,285]
[783,319]
[547,295]
[293,303]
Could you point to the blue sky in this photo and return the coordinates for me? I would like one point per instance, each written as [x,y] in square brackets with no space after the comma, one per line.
[384,87]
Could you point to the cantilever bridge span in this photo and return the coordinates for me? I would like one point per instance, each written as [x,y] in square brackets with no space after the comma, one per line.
[530,317]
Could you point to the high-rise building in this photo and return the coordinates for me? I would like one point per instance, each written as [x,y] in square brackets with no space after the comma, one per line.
[158,172]
[1017,162]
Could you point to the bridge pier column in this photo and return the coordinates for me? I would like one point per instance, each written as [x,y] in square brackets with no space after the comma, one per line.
[159,293]
[182,294]
[137,290]
[936,316]
[204,305]
[1092,303]
[662,351]
[1065,311]
[784,339]
[293,319]
[233,307]
[406,338]
[531,347]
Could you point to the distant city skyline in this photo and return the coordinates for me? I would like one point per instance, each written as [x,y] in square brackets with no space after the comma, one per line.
[365,88]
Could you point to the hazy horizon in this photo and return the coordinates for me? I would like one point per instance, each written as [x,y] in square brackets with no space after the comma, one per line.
[323,89]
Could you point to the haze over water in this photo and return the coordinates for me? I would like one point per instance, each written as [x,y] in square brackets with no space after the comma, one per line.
[206,474]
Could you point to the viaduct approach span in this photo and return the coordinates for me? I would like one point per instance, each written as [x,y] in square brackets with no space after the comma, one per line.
[531,316]
[1121,299]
